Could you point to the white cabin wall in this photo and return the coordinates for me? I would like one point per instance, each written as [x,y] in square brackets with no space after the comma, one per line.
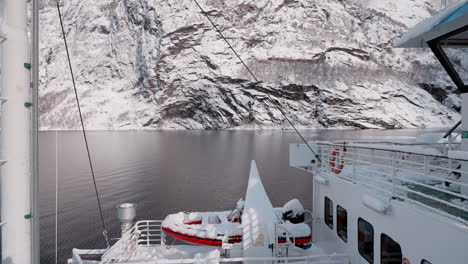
[15,135]
[420,233]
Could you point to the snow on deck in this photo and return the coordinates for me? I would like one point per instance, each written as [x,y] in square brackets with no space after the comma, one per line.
[159,252]
[205,254]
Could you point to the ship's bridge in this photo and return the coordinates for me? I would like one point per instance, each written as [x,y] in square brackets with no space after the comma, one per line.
[447,35]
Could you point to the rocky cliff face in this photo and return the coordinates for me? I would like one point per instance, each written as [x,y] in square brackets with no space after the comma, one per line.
[160,64]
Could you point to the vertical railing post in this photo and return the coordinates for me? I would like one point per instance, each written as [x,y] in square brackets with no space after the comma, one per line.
[449,149]
[354,160]
[275,245]
[163,236]
[394,172]
[426,170]
[323,148]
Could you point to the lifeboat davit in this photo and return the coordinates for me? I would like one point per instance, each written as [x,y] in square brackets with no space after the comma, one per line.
[212,228]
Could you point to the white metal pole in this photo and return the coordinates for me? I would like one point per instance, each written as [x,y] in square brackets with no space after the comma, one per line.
[15,135]
[35,238]
[464,176]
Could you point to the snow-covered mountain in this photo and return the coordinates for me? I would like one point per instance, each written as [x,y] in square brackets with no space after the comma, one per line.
[160,64]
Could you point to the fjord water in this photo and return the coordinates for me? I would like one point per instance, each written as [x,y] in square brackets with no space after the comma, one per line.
[165,172]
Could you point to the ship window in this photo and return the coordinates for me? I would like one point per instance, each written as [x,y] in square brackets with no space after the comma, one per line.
[390,251]
[425,262]
[329,212]
[366,240]
[342,223]
[449,50]
[459,60]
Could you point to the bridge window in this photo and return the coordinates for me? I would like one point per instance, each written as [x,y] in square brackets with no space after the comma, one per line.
[425,262]
[449,50]
[454,49]
[366,240]
[390,251]
[329,212]
[342,223]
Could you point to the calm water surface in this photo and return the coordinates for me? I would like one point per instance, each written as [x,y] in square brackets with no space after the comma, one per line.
[164,172]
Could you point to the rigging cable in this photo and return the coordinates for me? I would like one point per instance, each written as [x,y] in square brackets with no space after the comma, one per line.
[276,103]
[104,232]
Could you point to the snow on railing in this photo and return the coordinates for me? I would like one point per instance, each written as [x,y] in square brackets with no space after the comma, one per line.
[143,234]
[77,253]
[423,175]
[309,259]
[150,233]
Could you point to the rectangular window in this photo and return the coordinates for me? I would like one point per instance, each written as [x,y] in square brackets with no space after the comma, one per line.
[455,49]
[329,212]
[342,223]
[390,251]
[366,240]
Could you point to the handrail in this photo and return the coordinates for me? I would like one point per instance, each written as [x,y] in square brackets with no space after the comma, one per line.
[120,248]
[312,259]
[148,232]
[361,146]
[452,129]
[409,175]
[114,255]
[143,233]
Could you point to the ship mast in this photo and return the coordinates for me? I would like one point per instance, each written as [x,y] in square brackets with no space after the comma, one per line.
[464,143]
[35,238]
[18,139]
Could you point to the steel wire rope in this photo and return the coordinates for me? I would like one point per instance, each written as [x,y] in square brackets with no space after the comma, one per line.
[104,232]
[276,103]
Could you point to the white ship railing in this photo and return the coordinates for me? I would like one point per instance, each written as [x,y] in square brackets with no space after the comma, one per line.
[309,259]
[148,233]
[410,172]
[143,234]
[2,101]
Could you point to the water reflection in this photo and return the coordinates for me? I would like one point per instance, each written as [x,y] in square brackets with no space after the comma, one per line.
[165,172]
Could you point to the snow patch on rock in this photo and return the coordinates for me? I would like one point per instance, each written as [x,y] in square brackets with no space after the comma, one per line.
[160,65]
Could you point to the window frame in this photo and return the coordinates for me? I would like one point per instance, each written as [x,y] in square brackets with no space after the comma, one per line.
[368,258]
[436,47]
[328,212]
[381,247]
[345,225]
